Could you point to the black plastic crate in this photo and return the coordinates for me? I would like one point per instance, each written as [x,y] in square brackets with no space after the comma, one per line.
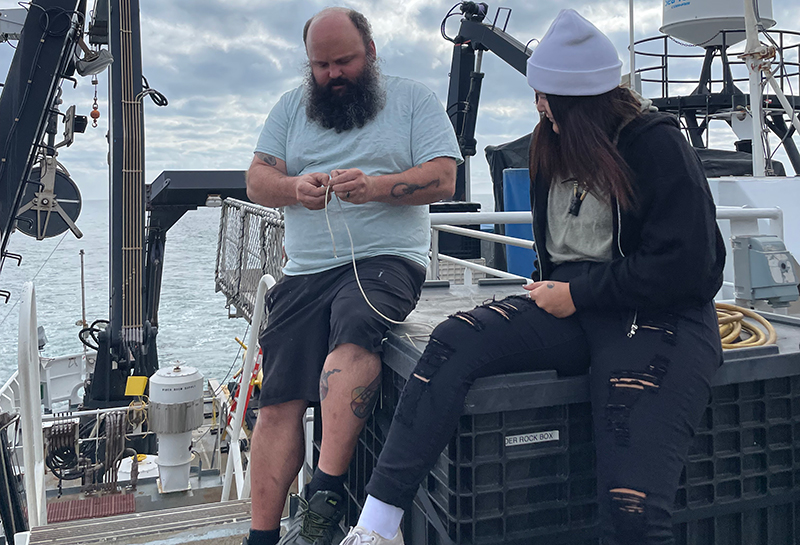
[498,482]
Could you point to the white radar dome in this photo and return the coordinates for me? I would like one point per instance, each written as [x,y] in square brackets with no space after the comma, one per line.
[701,22]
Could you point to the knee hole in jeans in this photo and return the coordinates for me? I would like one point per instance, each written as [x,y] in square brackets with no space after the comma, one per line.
[628,514]
[626,387]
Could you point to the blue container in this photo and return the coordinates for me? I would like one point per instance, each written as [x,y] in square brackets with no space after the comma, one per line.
[517,197]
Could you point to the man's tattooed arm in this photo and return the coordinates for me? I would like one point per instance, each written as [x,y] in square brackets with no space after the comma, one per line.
[403,189]
[271,160]
[364,399]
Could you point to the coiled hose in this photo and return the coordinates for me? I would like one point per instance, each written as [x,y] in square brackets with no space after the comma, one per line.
[732,323]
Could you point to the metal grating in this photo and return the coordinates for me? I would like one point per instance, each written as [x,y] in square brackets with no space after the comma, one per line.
[90,508]
[208,523]
[250,245]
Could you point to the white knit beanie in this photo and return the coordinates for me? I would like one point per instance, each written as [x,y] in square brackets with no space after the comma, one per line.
[574,59]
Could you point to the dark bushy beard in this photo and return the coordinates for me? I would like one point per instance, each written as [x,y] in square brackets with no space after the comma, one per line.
[360,102]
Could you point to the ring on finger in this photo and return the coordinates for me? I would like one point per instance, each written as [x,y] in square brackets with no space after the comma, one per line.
[347,195]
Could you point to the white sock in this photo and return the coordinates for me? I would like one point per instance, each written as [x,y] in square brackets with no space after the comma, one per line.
[381,518]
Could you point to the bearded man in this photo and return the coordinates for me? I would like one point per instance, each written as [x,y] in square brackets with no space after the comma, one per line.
[354,158]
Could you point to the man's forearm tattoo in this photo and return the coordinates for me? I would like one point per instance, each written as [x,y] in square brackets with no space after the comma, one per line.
[269,159]
[403,189]
[364,399]
[323,382]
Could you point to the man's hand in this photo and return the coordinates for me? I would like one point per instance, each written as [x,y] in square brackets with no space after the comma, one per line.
[552,297]
[351,185]
[310,190]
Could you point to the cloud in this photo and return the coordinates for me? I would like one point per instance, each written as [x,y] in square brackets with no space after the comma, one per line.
[224,63]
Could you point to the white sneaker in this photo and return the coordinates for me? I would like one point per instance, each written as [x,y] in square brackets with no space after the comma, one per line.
[360,536]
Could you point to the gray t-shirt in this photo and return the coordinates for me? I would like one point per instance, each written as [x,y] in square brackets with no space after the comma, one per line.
[410,130]
[585,237]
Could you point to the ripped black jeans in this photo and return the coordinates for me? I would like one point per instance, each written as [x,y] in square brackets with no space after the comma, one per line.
[648,392]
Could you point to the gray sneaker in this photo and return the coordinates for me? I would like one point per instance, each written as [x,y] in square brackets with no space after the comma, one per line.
[316,521]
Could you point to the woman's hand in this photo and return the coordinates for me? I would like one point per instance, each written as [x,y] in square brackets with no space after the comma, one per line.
[552,297]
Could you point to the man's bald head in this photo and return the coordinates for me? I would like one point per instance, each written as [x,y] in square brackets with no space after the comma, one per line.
[356,18]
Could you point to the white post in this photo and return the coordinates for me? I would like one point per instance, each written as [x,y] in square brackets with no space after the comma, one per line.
[31,408]
[632,54]
[753,57]
[234,456]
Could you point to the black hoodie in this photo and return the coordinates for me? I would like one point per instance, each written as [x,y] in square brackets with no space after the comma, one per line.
[668,252]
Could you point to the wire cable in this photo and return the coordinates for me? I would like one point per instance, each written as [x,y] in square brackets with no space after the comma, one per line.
[157,97]
[450,13]
[233,363]
[35,275]
[92,332]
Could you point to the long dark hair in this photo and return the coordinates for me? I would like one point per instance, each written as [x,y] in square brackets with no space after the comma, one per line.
[585,146]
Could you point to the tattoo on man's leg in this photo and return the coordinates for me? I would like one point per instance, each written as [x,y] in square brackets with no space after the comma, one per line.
[323,382]
[364,399]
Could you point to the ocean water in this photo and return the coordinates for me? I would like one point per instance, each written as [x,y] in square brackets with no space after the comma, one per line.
[194,325]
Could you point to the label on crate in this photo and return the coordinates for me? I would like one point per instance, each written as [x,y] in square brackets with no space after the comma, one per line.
[531,438]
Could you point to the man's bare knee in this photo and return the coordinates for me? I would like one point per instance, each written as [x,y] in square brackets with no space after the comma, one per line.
[354,354]
[282,415]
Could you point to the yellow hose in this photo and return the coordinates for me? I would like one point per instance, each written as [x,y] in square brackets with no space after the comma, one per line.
[732,323]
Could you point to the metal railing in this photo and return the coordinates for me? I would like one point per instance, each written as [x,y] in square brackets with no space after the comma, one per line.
[743,221]
[250,245]
[443,222]
[10,394]
[655,57]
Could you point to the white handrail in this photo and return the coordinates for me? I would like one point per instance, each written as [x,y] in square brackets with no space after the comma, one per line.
[743,221]
[477,218]
[234,467]
[491,237]
[31,408]
[507,218]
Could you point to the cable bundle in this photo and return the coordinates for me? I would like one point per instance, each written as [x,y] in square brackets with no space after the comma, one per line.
[732,323]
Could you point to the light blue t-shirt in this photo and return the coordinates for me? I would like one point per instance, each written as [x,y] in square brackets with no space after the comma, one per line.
[410,130]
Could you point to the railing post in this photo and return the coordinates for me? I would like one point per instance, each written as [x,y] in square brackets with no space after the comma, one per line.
[234,467]
[434,254]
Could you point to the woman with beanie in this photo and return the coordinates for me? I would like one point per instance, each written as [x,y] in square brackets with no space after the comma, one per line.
[629,258]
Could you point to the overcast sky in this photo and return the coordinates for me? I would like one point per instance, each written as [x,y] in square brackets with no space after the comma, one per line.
[224,63]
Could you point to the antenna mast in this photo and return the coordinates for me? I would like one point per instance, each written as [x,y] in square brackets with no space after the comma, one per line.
[758,58]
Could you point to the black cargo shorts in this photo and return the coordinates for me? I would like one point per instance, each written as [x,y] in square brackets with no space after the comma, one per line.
[310,315]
